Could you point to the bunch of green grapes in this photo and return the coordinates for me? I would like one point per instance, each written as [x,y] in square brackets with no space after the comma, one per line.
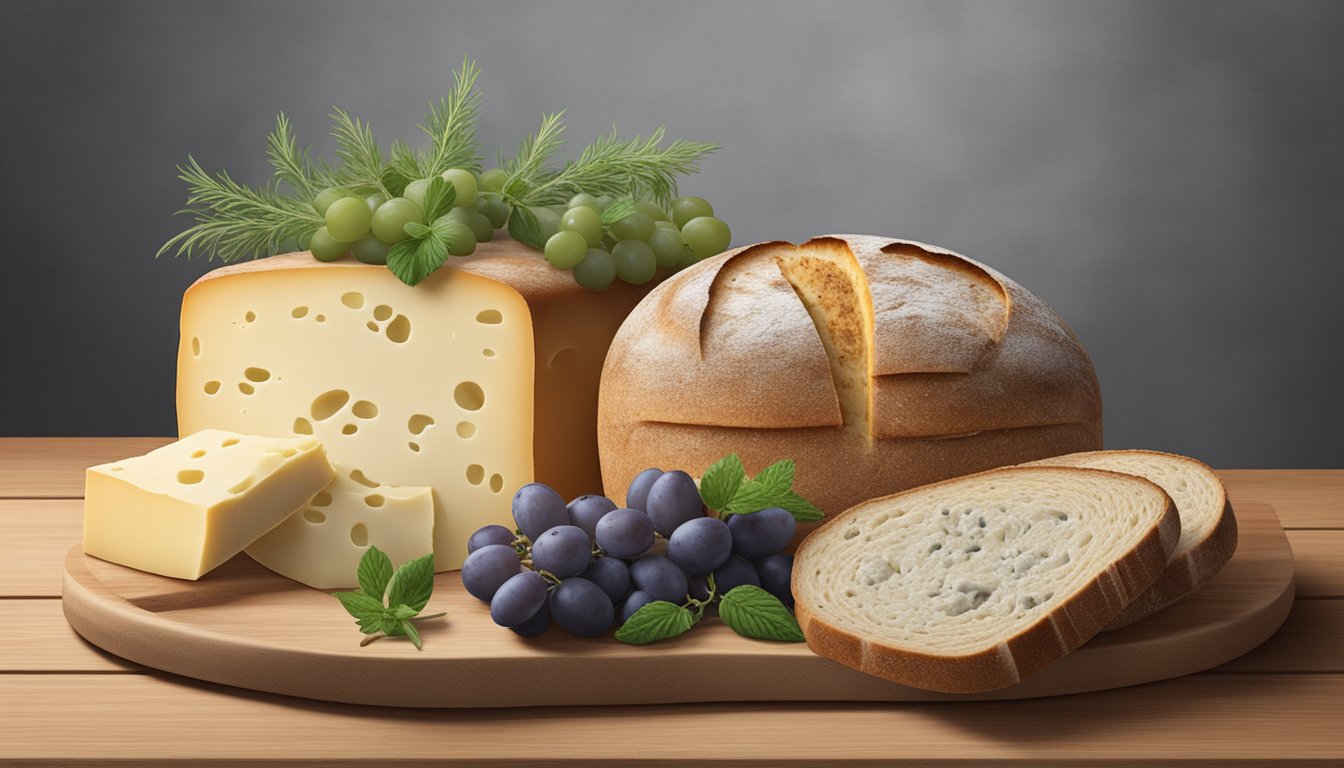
[635,247]
[368,227]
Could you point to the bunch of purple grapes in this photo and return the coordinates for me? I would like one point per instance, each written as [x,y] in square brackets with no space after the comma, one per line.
[589,565]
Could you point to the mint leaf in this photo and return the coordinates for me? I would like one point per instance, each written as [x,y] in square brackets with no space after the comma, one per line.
[658,620]
[778,475]
[802,510]
[366,610]
[753,496]
[721,481]
[524,227]
[439,197]
[402,612]
[417,230]
[753,612]
[413,583]
[413,260]
[457,236]
[408,629]
[374,572]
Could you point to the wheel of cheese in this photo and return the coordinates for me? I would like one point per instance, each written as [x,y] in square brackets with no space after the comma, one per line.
[877,364]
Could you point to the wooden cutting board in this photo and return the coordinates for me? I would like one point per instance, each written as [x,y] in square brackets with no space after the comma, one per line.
[244,626]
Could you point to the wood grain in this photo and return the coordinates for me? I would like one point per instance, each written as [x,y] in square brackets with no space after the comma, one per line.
[1202,720]
[238,625]
[35,534]
[53,467]
[37,638]
[1304,498]
[1320,556]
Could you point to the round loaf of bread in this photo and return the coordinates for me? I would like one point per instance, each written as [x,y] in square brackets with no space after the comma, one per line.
[877,364]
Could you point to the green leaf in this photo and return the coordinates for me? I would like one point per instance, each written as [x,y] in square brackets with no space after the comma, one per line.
[753,612]
[439,197]
[413,583]
[413,260]
[721,481]
[778,475]
[658,620]
[417,230]
[366,610]
[753,496]
[408,629]
[802,510]
[400,612]
[524,227]
[374,572]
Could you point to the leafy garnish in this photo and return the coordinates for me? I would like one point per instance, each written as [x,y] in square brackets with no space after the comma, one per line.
[726,489]
[655,621]
[752,612]
[408,591]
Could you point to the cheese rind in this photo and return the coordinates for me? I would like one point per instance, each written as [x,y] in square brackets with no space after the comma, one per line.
[186,508]
[321,545]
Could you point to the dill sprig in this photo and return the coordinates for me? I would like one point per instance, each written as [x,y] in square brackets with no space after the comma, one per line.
[637,168]
[451,126]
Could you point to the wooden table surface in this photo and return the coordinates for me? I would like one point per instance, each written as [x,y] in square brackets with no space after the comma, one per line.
[63,702]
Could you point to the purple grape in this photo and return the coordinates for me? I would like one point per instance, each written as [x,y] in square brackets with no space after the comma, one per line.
[540,622]
[699,546]
[581,607]
[673,499]
[585,511]
[775,572]
[562,551]
[490,534]
[487,568]
[634,602]
[638,495]
[659,577]
[518,599]
[611,574]
[735,572]
[626,533]
[537,508]
[761,534]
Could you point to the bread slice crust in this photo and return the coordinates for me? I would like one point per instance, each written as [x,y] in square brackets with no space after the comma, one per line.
[1193,563]
[1072,621]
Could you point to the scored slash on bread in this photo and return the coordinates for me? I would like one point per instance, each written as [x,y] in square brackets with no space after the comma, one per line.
[1208,526]
[972,584]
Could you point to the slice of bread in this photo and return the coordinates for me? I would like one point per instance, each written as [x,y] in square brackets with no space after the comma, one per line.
[974,583]
[1208,527]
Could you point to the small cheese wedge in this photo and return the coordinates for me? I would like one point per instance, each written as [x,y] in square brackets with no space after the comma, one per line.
[189,506]
[321,545]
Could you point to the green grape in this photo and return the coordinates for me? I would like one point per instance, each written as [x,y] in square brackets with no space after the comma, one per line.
[636,226]
[548,220]
[390,220]
[596,271]
[493,180]
[583,200]
[493,208]
[566,249]
[635,262]
[666,225]
[326,197]
[325,247]
[481,228]
[707,236]
[375,200]
[585,221]
[651,209]
[415,192]
[464,186]
[348,219]
[370,250]
[686,208]
[687,259]
[461,241]
[667,246]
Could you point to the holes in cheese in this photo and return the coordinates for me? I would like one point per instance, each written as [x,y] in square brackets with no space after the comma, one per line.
[328,404]
[196,346]
[190,476]
[488,352]
[230,441]
[298,312]
[211,387]
[415,447]
[320,318]
[314,516]
[250,317]
[245,388]
[372,326]
[465,430]
[359,477]
[475,474]
[322,499]
[364,409]
[375,500]
[469,396]
[496,483]
[382,313]
[353,299]
[419,422]
[489,317]
[399,330]
[302,426]
[359,535]
[256,374]
[198,454]
[349,429]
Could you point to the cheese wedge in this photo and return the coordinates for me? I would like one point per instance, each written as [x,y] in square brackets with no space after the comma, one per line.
[477,381]
[321,545]
[185,508]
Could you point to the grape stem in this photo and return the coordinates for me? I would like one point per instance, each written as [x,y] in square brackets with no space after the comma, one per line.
[699,606]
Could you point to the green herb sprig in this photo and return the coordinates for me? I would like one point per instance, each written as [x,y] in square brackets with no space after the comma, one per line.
[727,490]
[388,603]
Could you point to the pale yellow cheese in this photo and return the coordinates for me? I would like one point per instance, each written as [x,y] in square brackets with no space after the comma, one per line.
[321,545]
[185,508]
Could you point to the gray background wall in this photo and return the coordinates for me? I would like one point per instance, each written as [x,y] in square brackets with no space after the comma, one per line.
[1170,176]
